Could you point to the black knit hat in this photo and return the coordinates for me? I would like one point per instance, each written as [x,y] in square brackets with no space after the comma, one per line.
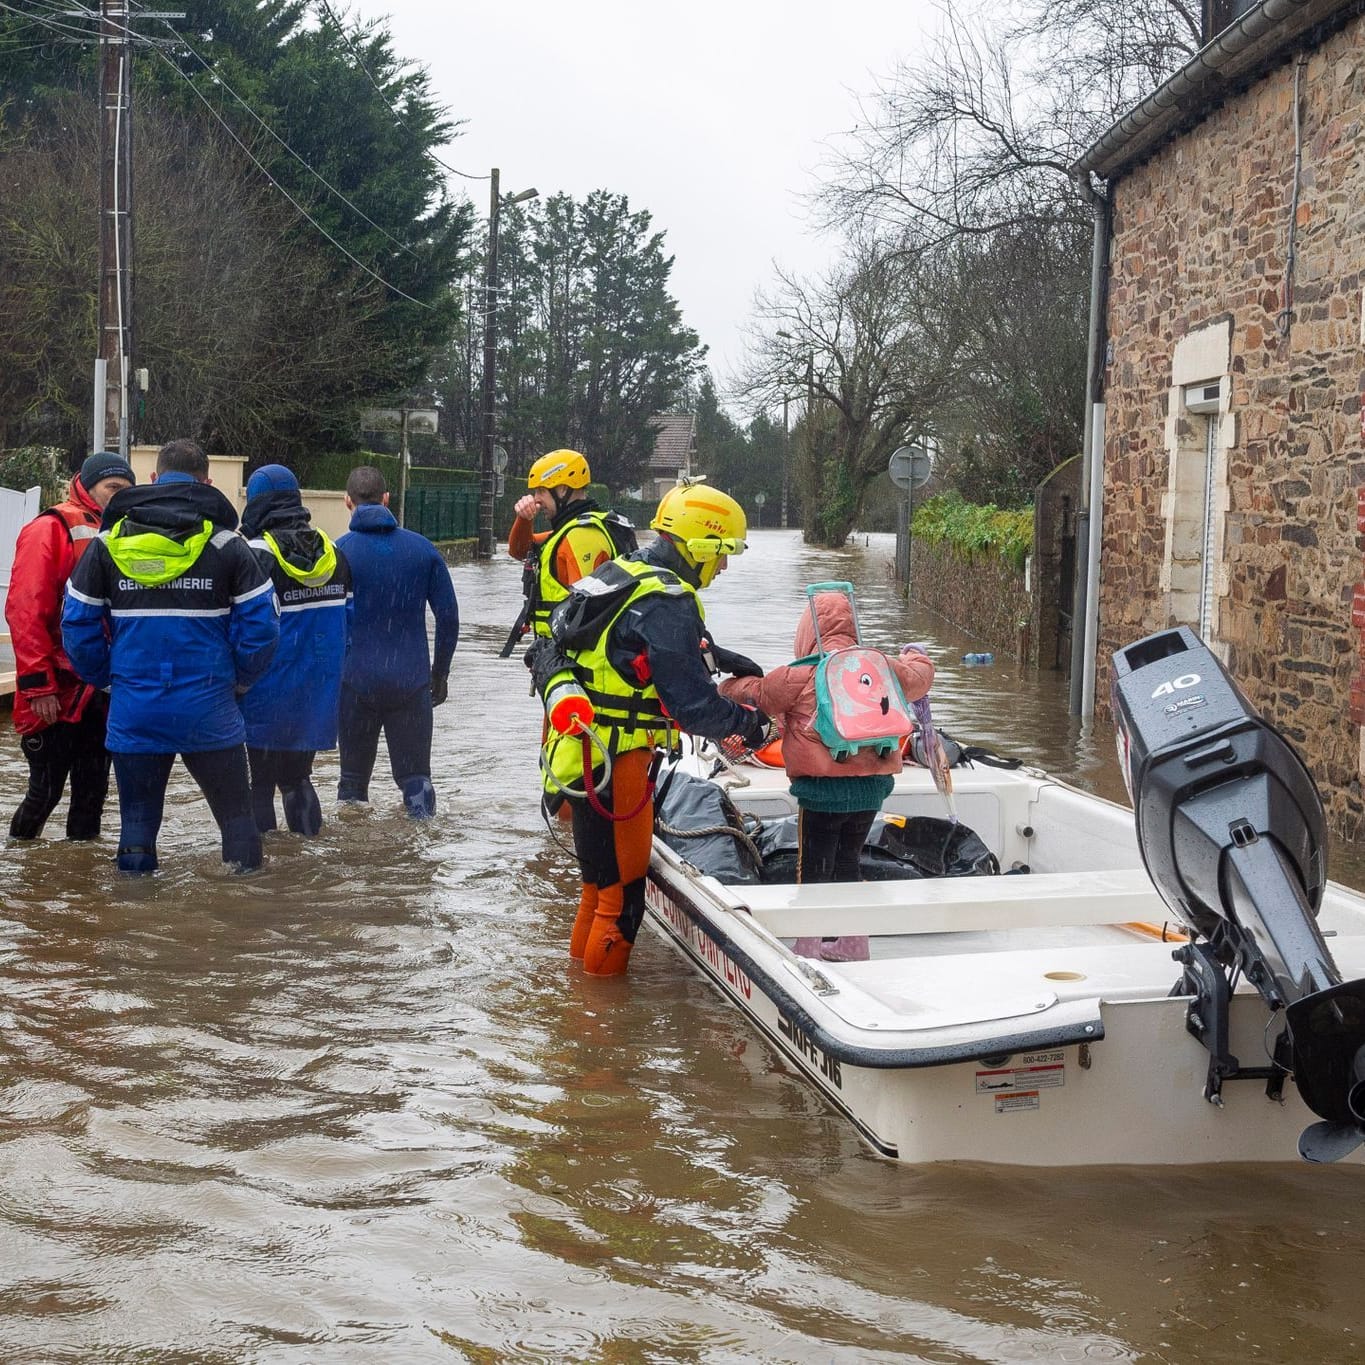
[105,465]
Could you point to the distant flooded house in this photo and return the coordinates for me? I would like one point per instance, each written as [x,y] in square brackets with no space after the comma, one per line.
[1229,364]
[675,442]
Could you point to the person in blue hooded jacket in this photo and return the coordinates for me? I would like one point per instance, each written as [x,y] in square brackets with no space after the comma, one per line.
[170,610]
[291,712]
[392,680]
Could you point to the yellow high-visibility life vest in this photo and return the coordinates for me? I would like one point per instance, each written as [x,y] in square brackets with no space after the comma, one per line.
[628,712]
[547,591]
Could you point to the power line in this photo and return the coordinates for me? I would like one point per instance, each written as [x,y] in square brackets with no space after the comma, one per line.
[303,211]
[189,47]
[45,19]
[349,203]
[346,38]
[231,132]
[32,22]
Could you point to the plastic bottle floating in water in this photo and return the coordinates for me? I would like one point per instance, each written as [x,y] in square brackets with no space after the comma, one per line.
[978,659]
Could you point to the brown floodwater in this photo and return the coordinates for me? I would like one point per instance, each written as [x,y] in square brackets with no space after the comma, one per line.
[360,1107]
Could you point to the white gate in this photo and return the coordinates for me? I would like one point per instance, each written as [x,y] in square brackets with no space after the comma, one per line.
[16,510]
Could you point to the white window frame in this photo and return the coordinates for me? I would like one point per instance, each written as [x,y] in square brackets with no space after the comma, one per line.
[1200,430]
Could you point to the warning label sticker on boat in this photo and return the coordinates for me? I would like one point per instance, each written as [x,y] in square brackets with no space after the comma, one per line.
[1029,1071]
[1021,1099]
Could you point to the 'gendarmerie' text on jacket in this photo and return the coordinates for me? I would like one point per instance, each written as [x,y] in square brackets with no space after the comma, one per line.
[175,651]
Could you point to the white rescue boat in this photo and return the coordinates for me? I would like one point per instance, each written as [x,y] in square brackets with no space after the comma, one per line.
[1040,1017]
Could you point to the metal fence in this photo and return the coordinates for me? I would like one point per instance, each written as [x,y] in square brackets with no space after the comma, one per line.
[449,513]
[639,513]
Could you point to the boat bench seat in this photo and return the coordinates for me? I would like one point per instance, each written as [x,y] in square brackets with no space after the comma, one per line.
[938,992]
[954,904]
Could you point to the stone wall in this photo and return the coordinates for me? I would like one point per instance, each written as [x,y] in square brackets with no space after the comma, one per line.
[1198,251]
[981,595]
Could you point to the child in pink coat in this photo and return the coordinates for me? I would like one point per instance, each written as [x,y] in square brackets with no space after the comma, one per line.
[837,800]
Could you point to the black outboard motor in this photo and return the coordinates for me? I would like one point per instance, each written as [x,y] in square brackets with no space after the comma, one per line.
[1231,831]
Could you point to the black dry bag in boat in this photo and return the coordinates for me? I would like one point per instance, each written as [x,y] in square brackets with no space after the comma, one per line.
[897,848]
[683,804]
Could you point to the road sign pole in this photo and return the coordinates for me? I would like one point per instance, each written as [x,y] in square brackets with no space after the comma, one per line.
[910,467]
[909,536]
[403,464]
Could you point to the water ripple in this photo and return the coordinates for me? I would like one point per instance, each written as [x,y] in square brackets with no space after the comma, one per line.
[360,1107]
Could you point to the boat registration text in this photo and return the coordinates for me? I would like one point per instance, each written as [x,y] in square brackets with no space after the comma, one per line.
[705,947]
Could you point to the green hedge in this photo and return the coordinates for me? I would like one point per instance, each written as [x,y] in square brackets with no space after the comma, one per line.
[968,529]
[25,466]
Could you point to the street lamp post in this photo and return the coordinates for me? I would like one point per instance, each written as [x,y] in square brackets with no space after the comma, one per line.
[810,418]
[810,434]
[786,458]
[487,472]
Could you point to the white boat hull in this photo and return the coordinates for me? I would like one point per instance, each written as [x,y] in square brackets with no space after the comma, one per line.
[1046,1037]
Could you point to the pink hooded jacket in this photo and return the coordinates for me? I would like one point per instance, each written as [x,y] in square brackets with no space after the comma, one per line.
[787,694]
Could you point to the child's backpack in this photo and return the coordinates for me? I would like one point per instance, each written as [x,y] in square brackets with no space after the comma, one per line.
[858,699]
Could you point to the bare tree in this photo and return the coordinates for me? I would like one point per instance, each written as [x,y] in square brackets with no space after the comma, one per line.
[878,360]
[982,132]
[244,327]
[1113,55]
[962,161]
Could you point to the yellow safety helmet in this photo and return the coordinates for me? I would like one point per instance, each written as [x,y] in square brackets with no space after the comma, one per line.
[705,524]
[559,469]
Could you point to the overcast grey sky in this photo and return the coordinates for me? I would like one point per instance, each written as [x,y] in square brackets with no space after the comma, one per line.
[709,113]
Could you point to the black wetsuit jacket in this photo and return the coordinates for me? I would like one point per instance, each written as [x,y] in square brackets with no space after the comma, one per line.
[669,632]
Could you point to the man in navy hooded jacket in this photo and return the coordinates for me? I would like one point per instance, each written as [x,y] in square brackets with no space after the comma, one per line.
[170,610]
[391,680]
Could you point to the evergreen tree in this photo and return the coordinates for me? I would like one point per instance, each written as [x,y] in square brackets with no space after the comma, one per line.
[591,344]
[326,115]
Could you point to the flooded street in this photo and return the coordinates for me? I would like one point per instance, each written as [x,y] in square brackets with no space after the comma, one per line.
[360,1106]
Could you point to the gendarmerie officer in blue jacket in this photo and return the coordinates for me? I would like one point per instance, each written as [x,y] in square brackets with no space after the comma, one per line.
[391,680]
[170,610]
[291,712]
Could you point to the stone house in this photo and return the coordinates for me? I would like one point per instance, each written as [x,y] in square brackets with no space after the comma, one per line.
[1229,364]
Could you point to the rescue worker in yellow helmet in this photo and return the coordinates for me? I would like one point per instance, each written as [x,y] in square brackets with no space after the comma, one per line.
[632,638]
[581,537]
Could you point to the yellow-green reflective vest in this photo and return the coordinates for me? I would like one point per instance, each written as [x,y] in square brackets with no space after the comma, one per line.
[150,558]
[629,714]
[320,571]
[549,591]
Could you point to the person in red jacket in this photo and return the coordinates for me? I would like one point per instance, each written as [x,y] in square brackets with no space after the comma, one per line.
[60,718]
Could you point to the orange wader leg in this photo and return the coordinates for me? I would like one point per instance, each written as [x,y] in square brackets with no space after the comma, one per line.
[587,908]
[625,848]
[587,899]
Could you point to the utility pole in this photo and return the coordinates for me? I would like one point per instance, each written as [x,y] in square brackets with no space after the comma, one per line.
[470,428]
[786,458]
[116,229]
[490,360]
[811,477]
[114,348]
[487,472]
[404,467]
[809,440]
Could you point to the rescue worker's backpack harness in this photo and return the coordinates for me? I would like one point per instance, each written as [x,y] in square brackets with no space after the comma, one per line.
[627,711]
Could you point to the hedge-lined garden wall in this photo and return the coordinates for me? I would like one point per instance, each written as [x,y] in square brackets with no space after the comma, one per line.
[967,564]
